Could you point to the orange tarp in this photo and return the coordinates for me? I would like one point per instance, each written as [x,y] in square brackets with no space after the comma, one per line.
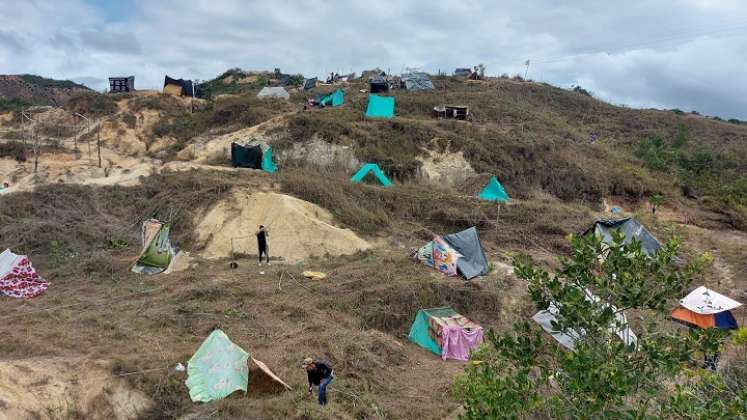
[690,317]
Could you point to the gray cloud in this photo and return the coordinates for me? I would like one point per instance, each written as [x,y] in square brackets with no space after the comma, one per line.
[688,54]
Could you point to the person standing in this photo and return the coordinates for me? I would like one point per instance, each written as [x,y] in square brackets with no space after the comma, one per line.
[320,374]
[262,237]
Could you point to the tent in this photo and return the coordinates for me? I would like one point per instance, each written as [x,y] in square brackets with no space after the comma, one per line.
[568,339]
[335,98]
[18,278]
[462,249]
[179,87]
[462,72]
[704,308]
[157,252]
[416,81]
[373,168]
[631,228]
[380,106]
[309,83]
[446,333]
[494,191]
[275,92]
[253,155]
[219,367]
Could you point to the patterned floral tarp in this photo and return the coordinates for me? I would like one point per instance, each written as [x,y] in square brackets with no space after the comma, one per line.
[217,369]
[18,278]
[444,257]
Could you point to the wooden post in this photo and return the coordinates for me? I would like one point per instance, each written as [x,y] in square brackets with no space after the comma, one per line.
[35,140]
[98,143]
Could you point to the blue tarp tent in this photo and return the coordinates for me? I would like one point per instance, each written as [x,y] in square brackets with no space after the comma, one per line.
[335,98]
[494,191]
[380,106]
[374,168]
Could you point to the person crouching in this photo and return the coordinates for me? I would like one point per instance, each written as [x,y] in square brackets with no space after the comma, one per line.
[320,374]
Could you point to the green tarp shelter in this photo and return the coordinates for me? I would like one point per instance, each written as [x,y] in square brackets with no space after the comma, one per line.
[157,252]
[267,164]
[217,369]
[380,106]
[445,332]
[373,168]
[335,98]
[494,191]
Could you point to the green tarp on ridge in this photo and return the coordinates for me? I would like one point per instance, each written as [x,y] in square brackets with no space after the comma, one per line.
[494,191]
[380,106]
[335,98]
[217,369]
[267,164]
[374,168]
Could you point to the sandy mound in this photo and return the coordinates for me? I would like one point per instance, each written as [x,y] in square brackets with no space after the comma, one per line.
[54,388]
[448,169]
[298,229]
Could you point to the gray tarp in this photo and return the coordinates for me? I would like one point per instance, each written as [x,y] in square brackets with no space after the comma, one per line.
[417,81]
[631,228]
[273,92]
[473,262]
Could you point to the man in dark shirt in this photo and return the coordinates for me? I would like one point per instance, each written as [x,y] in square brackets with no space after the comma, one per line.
[320,374]
[262,235]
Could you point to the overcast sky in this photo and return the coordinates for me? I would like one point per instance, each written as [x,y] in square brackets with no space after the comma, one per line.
[687,54]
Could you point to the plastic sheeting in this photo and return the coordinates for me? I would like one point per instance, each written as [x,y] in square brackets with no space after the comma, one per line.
[631,228]
[275,92]
[494,191]
[217,369]
[380,106]
[473,262]
[706,301]
[373,168]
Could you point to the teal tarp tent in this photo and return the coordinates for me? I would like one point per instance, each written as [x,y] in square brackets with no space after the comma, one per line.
[494,191]
[267,164]
[335,98]
[217,369]
[419,333]
[374,168]
[380,106]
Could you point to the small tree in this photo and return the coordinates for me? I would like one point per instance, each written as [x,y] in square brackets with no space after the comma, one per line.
[521,374]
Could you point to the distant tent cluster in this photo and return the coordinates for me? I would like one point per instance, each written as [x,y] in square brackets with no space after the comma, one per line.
[253,155]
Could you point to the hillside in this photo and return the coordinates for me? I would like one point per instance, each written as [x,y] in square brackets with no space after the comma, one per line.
[564,158]
[26,90]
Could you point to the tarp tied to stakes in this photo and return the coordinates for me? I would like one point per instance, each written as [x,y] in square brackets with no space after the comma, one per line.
[380,107]
[219,368]
[416,81]
[375,170]
[459,253]
[335,98]
[705,308]
[157,253]
[18,278]
[446,333]
[631,229]
[494,191]
[569,338]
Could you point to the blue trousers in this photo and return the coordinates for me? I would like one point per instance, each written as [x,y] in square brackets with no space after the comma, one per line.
[323,390]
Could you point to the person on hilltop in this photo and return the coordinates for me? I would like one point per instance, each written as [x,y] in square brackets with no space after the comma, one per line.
[262,236]
[320,374]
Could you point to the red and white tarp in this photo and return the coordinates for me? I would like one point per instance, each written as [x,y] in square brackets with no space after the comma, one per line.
[18,278]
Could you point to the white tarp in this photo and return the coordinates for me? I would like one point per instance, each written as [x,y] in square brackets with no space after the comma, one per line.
[547,317]
[7,262]
[273,92]
[705,301]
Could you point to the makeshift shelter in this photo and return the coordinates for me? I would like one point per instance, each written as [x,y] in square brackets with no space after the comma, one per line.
[631,228]
[157,252]
[121,84]
[18,278]
[334,99]
[219,368]
[704,308]
[375,170]
[446,333]
[378,86]
[457,112]
[273,92]
[309,83]
[253,155]
[569,338]
[179,87]
[462,72]
[462,250]
[494,191]
[416,81]
[380,106]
